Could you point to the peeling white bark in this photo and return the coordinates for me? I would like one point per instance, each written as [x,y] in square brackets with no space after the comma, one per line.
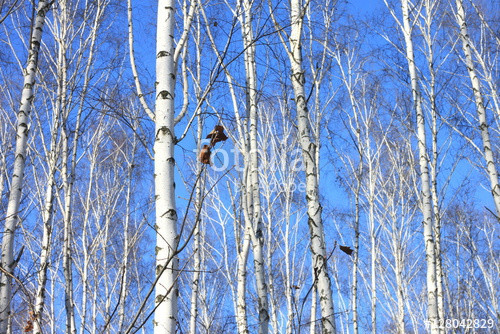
[317,244]
[254,206]
[52,160]
[11,220]
[426,198]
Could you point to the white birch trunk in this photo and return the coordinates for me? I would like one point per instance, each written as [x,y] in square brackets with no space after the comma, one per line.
[52,167]
[400,320]
[126,244]
[200,186]
[93,322]
[242,246]
[3,167]
[427,30]
[47,214]
[68,181]
[11,219]
[319,261]
[274,305]
[435,205]
[69,175]
[373,239]
[354,302]
[480,108]
[435,199]
[254,208]
[397,250]
[288,267]
[241,304]
[347,75]
[165,318]
[426,204]
[85,246]
[195,281]
[243,249]
[46,247]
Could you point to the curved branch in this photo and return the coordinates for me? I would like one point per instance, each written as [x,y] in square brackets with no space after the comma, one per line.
[144,104]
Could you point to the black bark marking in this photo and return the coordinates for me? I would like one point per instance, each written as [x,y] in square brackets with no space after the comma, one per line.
[163,54]
[171,213]
[165,94]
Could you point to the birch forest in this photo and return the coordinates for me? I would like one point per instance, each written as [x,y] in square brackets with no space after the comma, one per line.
[249,166]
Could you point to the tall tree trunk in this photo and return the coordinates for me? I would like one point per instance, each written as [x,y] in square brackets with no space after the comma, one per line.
[243,251]
[426,198]
[12,218]
[52,159]
[253,187]
[200,185]
[427,30]
[69,175]
[354,302]
[291,311]
[480,108]
[317,244]
[398,267]
[241,305]
[46,244]
[68,182]
[166,293]
[126,244]
[85,243]
[373,238]
[435,199]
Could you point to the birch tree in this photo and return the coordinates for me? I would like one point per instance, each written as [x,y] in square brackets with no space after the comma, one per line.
[195,283]
[166,211]
[429,14]
[69,149]
[166,218]
[477,89]
[430,23]
[362,95]
[426,198]
[406,25]
[472,282]
[309,149]
[397,208]
[60,29]
[240,256]
[73,59]
[11,219]
[318,250]
[197,243]
[366,172]
[166,215]
[252,198]
[286,251]
[246,140]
